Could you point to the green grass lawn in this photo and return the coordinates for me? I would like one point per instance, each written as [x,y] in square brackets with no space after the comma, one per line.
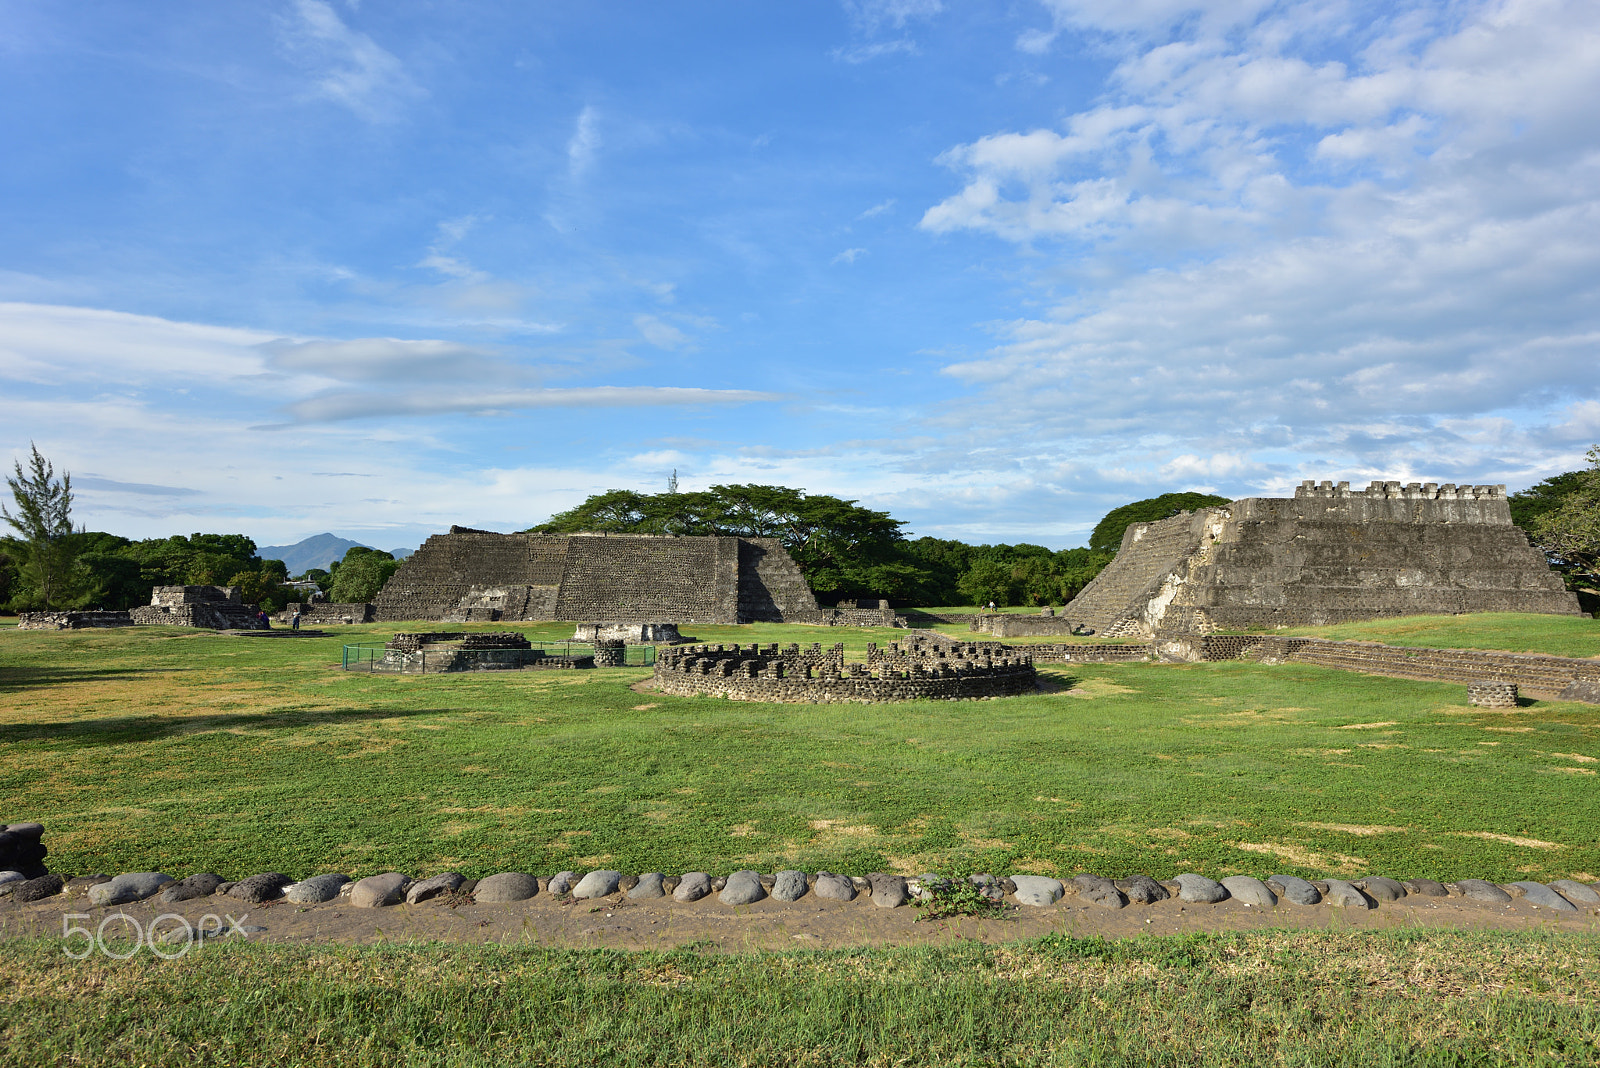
[1510,632]
[161,748]
[1311,999]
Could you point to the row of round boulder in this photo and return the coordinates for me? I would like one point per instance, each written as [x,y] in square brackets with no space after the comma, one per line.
[747,887]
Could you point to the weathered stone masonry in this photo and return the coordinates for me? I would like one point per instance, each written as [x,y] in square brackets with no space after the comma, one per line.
[213,607]
[480,575]
[484,651]
[1328,555]
[905,671]
[92,619]
[1568,678]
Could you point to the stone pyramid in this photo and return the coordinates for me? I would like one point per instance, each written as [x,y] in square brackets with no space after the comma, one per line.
[1327,555]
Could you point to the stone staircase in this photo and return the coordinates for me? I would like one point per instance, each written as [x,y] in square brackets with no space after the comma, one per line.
[1113,604]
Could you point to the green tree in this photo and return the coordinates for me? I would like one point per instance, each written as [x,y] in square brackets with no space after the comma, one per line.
[49,573]
[262,587]
[8,571]
[1544,497]
[1570,531]
[1107,534]
[360,575]
[115,573]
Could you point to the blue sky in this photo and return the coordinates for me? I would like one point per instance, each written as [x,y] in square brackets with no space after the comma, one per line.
[288,266]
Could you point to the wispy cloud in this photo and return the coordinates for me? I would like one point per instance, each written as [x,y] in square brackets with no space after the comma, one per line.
[348,67]
[333,407]
[869,18]
[870,15]
[864,53]
[143,489]
[850,255]
[878,209]
[584,143]
[662,335]
[383,359]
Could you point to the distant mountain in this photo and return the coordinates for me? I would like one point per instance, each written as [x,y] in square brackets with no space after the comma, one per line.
[319,550]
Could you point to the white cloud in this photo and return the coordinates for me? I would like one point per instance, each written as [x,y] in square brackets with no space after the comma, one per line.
[349,67]
[1389,262]
[878,209]
[584,143]
[47,344]
[850,255]
[1152,16]
[870,17]
[383,359]
[332,407]
[871,14]
[1036,42]
[864,53]
[661,334]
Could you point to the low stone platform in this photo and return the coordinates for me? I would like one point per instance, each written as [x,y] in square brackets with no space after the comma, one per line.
[451,651]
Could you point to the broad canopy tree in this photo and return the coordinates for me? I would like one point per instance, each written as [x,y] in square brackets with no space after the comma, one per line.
[847,550]
[841,547]
[1562,517]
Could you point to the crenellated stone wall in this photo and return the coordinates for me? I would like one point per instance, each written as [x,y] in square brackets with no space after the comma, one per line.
[1099,653]
[904,671]
[1328,555]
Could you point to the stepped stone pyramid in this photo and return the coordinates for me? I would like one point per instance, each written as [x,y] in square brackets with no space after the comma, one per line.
[1328,555]
[471,575]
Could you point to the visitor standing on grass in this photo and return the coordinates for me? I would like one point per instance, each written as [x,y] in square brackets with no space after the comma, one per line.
[294,620]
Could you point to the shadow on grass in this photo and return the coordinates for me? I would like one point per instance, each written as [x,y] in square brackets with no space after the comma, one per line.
[1055,680]
[16,679]
[123,730]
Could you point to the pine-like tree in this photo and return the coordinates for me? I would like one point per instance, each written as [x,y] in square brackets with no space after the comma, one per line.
[48,572]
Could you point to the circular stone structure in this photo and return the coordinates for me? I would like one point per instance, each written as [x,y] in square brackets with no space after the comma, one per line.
[914,670]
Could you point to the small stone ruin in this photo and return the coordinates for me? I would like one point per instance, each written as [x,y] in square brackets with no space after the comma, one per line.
[628,633]
[85,620]
[914,670]
[454,651]
[326,613]
[210,607]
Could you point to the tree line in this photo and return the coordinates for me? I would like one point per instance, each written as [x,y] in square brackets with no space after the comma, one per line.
[843,549]
[46,564]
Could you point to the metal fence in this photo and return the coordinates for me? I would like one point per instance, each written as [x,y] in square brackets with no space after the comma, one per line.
[370,656]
